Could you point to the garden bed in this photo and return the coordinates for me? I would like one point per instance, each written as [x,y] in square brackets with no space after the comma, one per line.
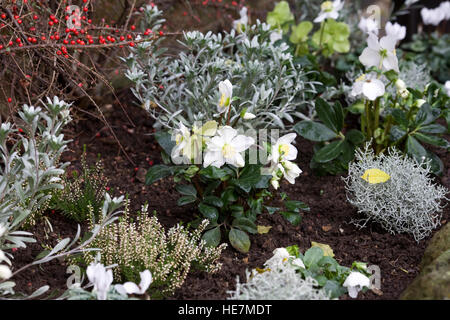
[398,256]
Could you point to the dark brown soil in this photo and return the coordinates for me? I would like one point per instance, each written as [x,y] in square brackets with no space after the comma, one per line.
[398,256]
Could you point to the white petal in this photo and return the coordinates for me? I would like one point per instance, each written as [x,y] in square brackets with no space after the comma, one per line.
[237,161]
[227,133]
[146,280]
[372,42]
[373,89]
[391,62]
[131,288]
[388,42]
[370,58]
[242,143]
[287,139]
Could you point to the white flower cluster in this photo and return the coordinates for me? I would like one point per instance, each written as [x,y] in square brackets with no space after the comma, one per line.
[437,15]
[407,202]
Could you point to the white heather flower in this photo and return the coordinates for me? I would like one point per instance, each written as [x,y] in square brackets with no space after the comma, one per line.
[283,149]
[380,54]
[182,150]
[242,21]
[447,87]
[369,86]
[100,278]
[395,30]
[275,36]
[226,148]
[329,10]
[5,272]
[432,16]
[355,282]
[368,25]
[132,288]
[226,92]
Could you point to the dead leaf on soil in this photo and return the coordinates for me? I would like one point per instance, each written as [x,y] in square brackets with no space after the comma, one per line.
[327,251]
[263,229]
[245,260]
[377,291]
[327,228]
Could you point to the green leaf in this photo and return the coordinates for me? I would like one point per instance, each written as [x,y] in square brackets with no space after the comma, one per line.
[436,164]
[339,115]
[214,201]
[435,141]
[312,256]
[271,210]
[433,128]
[415,149]
[400,117]
[229,196]
[295,205]
[212,237]
[208,212]
[186,189]
[293,250]
[186,200]
[300,32]
[427,115]
[239,240]
[334,289]
[293,217]
[355,136]
[341,46]
[164,139]
[280,16]
[314,131]
[245,225]
[326,114]
[249,177]
[157,172]
[212,172]
[329,152]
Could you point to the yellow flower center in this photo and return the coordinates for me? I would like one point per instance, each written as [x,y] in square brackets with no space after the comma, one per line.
[178,139]
[222,100]
[228,151]
[284,149]
[327,6]
[361,78]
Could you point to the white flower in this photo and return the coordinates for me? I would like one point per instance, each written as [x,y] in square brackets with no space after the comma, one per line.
[100,278]
[447,87]
[368,25]
[445,7]
[182,152]
[380,54]
[290,171]
[369,86]
[243,20]
[226,92]
[329,10]
[280,255]
[248,116]
[275,183]
[400,84]
[395,30]
[275,36]
[355,282]
[226,148]
[432,16]
[5,272]
[283,149]
[132,288]
[420,102]
[299,263]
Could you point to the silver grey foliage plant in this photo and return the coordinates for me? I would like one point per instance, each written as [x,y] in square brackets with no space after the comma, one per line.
[409,202]
[184,87]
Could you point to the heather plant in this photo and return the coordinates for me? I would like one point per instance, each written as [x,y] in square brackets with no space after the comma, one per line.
[290,275]
[396,192]
[144,244]
[184,87]
[81,191]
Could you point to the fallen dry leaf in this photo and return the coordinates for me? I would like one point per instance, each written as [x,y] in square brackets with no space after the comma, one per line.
[327,228]
[327,251]
[263,229]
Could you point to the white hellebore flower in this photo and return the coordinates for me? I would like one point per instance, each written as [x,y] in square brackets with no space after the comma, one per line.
[280,255]
[243,20]
[447,87]
[132,288]
[432,16]
[226,148]
[369,86]
[182,149]
[395,30]
[368,25]
[5,272]
[100,278]
[380,54]
[355,282]
[226,92]
[445,7]
[290,171]
[329,9]
[283,149]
